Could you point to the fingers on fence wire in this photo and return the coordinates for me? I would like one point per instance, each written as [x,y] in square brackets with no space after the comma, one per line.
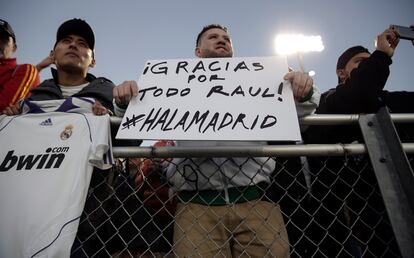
[148,178]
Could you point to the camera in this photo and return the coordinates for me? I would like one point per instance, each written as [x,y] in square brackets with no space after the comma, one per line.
[404,32]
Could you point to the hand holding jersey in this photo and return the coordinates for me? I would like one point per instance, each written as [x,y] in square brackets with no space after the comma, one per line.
[97,109]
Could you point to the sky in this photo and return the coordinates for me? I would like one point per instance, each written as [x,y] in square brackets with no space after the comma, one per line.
[129,32]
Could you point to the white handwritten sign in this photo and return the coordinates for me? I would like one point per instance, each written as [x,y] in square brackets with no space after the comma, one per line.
[212,99]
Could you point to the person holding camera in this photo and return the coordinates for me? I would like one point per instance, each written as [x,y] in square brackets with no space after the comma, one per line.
[362,77]
[353,195]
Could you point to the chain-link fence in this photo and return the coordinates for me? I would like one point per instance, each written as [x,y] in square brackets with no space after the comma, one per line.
[330,202]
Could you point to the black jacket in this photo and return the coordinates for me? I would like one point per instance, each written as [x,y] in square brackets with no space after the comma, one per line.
[350,182]
[98,88]
[362,93]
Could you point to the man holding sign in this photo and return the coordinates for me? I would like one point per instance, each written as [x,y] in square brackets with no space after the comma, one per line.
[221,211]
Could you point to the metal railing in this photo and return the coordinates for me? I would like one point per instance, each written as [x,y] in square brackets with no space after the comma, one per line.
[338,211]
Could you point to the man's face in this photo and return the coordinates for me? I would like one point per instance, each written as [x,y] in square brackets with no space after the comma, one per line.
[352,64]
[214,43]
[73,54]
[7,46]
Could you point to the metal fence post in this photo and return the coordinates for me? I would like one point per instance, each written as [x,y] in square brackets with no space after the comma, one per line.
[394,175]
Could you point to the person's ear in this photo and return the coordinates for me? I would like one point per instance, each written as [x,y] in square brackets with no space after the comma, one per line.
[342,75]
[14,47]
[93,63]
[197,52]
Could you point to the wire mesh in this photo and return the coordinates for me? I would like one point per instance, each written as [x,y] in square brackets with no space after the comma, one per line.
[314,206]
[331,207]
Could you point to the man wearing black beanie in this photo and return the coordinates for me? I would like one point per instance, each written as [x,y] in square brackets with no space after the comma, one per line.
[361,80]
[349,188]
[347,56]
[361,77]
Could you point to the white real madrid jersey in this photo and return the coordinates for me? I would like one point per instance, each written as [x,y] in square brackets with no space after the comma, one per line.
[46,163]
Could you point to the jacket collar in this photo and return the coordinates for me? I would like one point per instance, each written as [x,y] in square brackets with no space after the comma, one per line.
[89,77]
[8,61]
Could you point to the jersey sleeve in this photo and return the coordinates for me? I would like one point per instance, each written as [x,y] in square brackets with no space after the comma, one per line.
[101,147]
[309,106]
[18,87]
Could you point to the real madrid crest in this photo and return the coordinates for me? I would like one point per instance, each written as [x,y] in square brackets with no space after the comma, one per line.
[66,133]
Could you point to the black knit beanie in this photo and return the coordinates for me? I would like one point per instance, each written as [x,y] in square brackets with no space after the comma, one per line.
[347,55]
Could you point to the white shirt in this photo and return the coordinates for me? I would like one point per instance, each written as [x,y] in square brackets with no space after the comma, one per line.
[46,163]
[68,91]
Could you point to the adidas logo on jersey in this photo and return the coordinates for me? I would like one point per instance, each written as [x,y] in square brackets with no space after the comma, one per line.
[47,122]
[53,158]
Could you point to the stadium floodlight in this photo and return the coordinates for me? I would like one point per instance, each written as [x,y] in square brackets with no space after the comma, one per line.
[286,44]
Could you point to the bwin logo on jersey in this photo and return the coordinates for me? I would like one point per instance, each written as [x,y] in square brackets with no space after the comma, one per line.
[53,158]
